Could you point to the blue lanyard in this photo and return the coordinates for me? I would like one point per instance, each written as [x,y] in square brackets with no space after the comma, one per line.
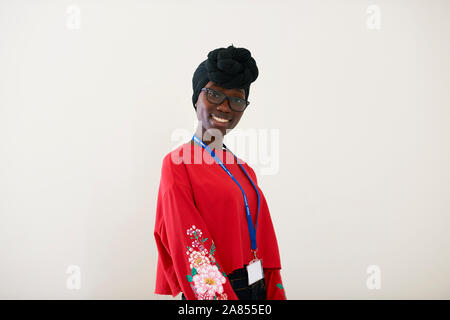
[251,230]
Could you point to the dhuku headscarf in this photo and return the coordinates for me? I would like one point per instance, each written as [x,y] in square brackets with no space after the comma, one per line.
[229,68]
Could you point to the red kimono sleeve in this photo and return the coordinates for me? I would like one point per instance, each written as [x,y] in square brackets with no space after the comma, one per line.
[188,260]
[274,285]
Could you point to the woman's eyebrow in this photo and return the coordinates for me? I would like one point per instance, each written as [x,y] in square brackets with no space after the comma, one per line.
[236,92]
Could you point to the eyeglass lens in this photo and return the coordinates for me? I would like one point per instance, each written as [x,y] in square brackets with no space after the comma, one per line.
[218,97]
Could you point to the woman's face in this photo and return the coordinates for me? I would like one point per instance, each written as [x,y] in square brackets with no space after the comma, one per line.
[206,109]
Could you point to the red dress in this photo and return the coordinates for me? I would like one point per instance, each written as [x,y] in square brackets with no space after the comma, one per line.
[201,227]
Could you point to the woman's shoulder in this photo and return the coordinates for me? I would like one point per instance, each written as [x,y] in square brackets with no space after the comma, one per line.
[174,157]
[173,170]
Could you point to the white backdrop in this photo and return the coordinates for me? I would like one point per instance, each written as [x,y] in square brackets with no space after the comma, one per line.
[92,94]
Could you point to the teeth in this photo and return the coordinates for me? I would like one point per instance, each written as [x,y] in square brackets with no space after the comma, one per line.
[220,119]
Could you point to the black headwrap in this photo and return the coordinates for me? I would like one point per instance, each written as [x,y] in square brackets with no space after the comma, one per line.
[230,68]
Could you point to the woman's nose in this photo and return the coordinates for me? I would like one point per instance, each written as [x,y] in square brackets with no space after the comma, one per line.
[224,106]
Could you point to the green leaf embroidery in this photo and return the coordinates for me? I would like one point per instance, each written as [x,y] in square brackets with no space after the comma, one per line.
[224,274]
[193,271]
[204,240]
[279,285]
[189,277]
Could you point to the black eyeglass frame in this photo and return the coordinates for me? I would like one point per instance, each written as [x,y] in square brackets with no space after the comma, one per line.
[225,97]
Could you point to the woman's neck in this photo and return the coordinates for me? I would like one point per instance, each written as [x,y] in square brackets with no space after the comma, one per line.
[213,138]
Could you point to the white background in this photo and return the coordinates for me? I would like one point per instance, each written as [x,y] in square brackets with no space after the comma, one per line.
[87,114]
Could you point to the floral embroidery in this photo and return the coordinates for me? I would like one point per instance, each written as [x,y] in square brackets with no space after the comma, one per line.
[195,244]
[206,279]
[222,296]
[195,232]
[209,280]
[280,286]
[198,258]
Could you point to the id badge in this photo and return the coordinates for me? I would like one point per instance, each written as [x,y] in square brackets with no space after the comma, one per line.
[255,271]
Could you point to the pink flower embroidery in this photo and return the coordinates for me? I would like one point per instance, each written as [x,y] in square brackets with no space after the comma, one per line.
[205,296]
[198,258]
[195,244]
[205,278]
[222,296]
[209,280]
[197,233]
[189,251]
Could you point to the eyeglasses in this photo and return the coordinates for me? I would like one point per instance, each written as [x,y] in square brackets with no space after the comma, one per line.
[217,97]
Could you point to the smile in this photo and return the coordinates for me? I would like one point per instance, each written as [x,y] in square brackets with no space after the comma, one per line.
[221,120]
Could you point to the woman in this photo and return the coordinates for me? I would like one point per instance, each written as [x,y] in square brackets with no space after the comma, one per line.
[213,230]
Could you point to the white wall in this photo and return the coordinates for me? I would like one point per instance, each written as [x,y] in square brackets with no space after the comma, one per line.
[89,101]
